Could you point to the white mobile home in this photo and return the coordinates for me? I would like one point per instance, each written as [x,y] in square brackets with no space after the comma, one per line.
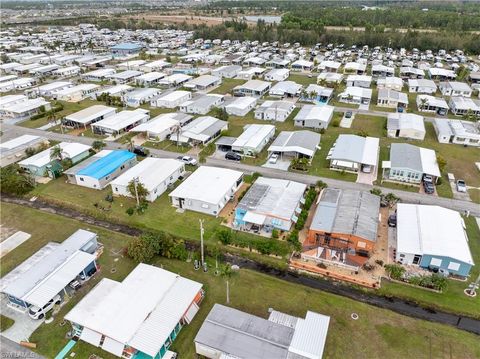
[89,115]
[162,126]
[240,106]
[406,125]
[138,97]
[171,99]
[207,190]
[120,122]
[77,93]
[251,142]
[314,116]
[155,174]
[202,105]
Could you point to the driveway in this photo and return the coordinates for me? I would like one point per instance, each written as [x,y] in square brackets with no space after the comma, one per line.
[464,196]
[23,327]
[279,165]
[367,178]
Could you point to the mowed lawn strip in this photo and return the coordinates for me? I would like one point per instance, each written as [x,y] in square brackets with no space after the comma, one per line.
[377,334]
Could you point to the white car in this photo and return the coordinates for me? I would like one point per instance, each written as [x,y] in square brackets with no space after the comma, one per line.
[39,313]
[273,158]
[461,186]
[188,160]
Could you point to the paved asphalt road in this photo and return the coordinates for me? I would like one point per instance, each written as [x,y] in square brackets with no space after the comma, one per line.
[10,131]
[10,349]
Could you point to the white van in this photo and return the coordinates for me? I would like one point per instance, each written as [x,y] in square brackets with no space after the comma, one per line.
[39,313]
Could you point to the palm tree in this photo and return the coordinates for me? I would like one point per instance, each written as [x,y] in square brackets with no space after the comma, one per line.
[56,153]
[227,272]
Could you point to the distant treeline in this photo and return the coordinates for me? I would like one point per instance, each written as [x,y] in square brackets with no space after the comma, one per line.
[316,34]
[452,16]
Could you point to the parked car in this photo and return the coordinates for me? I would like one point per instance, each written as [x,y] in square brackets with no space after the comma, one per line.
[75,284]
[273,158]
[461,186]
[392,220]
[233,156]
[428,187]
[188,160]
[39,313]
[348,114]
[366,169]
[141,151]
[427,178]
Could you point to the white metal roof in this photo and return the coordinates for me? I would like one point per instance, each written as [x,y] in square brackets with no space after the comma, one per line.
[242,102]
[207,184]
[173,96]
[90,113]
[357,149]
[25,106]
[69,150]
[29,276]
[122,119]
[254,135]
[56,281]
[432,230]
[141,311]
[150,172]
[310,336]
[18,142]
[158,124]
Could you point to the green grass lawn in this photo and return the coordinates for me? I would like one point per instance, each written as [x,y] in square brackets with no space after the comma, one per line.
[227,86]
[452,299]
[378,333]
[303,80]
[5,323]
[160,215]
[474,195]
[167,145]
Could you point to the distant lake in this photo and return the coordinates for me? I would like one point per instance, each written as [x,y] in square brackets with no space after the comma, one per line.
[267,18]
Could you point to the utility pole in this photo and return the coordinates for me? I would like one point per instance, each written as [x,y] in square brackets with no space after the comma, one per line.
[135,181]
[201,241]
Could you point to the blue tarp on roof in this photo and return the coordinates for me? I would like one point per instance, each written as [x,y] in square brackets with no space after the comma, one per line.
[106,165]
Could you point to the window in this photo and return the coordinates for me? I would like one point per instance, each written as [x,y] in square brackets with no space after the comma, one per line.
[454,266]
[122,167]
[402,255]
[436,262]
[81,179]
[204,205]
[116,189]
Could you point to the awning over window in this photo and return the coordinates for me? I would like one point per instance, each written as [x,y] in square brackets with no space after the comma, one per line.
[91,337]
[254,218]
[112,346]
[191,312]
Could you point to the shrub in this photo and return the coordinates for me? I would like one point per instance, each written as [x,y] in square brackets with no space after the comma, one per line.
[130,211]
[275,234]
[140,250]
[336,122]
[14,181]
[225,236]
[376,191]
[321,185]
[395,271]
[379,262]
